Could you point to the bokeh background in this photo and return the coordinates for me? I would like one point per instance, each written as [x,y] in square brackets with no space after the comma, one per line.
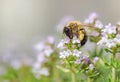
[25,22]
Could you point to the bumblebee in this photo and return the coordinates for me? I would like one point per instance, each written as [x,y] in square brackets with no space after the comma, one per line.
[75,28]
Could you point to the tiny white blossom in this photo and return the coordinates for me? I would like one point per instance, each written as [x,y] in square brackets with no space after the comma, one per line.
[102,41]
[65,54]
[110,29]
[110,43]
[91,67]
[95,33]
[40,46]
[62,43]
[36,65]
[98,24]
[78,61]
[44,71]
[77,53]
[95,59]
[48,51]
[85,59]
[117,39]
[50,39]
[41,58]
[75,40]
[40,71]
[16,64]
[91,18]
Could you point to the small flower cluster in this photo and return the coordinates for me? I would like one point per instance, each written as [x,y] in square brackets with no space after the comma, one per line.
[45,50]
[16,62]
[110,36]
[94,27]
[69,47]
[74,59]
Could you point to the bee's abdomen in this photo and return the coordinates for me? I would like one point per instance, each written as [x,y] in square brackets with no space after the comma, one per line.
[84,40]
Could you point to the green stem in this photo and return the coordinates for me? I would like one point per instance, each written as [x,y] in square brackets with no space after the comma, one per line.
[96,49]
[56,75]
[88,79]
[113,74]
[113,68]
[73,77]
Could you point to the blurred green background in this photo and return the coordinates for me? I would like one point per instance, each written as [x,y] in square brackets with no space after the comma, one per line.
[25,22]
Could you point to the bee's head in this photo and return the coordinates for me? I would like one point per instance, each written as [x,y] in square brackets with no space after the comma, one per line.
[68,32]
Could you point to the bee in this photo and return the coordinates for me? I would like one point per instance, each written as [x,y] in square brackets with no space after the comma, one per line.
[75,28]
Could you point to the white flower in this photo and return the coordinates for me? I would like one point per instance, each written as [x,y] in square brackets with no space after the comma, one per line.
[91,67]
[78,61]
[77,53]
[41,58]
[40,46]
[102,41]
[48,51]
[110,43]
[36,66]
[117,39]
[109,29]
[62,43]
[44,71]
[16,64]
[98,24]
[91,18]
[95,59]
[85,59]
[50,39]
[26,60]
[75,40]
[95,33]
[65,54]
[40,71]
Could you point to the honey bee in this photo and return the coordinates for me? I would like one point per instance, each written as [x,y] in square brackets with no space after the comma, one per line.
[75,28]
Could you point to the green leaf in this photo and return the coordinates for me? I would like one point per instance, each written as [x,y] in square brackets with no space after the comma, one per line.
[108,50]
[62,68]
[106,64]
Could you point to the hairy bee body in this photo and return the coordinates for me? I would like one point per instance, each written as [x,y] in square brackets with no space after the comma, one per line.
[75,28]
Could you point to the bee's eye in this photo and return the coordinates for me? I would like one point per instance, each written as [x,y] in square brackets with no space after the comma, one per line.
[67,30]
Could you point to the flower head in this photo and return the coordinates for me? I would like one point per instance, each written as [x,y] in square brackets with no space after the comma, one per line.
[110,37]
[44,51]
[62,43]
[91,67]
[91,18]
[98,24]
[109,29]
[75,40]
